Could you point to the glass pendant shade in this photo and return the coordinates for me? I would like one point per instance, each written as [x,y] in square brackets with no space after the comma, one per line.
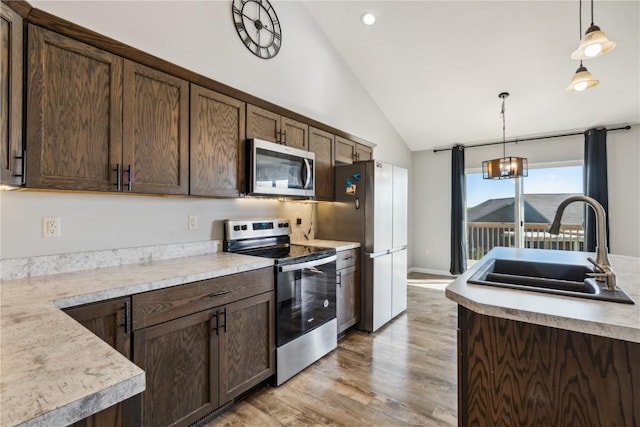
[582,80]
[505,168]
[594,43]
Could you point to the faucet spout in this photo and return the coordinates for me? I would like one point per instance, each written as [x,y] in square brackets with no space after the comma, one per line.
[602,262]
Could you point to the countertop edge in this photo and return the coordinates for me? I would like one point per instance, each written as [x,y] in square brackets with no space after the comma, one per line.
[560,312]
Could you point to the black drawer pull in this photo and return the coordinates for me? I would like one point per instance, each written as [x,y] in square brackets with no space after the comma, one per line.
[348,258]
[217,294]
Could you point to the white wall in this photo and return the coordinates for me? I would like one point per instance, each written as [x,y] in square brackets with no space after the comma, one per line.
[307,76]
[429,245]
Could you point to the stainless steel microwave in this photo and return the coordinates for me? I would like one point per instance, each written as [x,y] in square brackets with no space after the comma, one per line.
[278,170]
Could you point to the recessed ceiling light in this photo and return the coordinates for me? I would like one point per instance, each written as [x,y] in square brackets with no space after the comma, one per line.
[368,19]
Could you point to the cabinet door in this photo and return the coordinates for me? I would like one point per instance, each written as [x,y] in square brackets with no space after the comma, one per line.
[321,143]
[345,150]
[262,124]
[108,320]
[217,143]
[294,134]
[348,298]
[74,114]
[363,152]
[180,359]
[155,131]
[247,345]
[11,169]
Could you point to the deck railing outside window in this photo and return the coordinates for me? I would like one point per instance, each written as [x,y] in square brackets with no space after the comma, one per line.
[484,236]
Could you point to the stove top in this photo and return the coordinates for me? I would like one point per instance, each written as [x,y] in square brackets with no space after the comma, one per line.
[269,238]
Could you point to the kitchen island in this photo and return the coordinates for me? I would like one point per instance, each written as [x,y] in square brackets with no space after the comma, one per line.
[54,371]
[529,358]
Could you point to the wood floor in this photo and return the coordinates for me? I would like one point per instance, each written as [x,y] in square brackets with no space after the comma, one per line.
[405,374]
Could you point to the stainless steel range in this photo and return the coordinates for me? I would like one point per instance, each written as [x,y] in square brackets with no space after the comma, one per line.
[305,277]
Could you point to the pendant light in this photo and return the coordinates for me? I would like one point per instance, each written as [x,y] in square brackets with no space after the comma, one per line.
[582,80]
[504,167]
[594,43]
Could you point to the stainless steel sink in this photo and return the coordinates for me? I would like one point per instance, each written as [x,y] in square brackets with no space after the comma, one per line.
[561,279]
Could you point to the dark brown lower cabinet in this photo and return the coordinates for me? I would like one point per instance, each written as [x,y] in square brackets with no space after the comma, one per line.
[199,362]
[515,373]
[347,289]
[180,359]
[108,320]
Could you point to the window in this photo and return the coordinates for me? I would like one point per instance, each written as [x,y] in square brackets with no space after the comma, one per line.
[492,210]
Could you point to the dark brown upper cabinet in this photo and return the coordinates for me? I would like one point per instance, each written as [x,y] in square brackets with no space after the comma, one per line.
[11,155]
[155,130]
[98,122]
[348,151]
[321,143]
[74,114]
[267,125]
[217,144]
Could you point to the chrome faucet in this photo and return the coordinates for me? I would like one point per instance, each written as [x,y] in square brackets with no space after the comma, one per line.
[603,273]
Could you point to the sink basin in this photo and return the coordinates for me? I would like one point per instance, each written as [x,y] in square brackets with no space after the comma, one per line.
[561,279]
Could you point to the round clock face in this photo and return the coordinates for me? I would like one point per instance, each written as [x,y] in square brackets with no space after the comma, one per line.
[258,27]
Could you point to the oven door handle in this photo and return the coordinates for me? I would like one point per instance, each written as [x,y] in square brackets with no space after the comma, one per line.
[307,175]
[302,265]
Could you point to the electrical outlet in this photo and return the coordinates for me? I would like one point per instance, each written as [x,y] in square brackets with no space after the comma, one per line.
[193,222]
[298,221]
[51,227]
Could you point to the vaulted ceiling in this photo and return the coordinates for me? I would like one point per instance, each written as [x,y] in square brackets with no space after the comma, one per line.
[435,68]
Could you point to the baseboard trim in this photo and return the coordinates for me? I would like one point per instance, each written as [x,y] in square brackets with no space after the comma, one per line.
[430,271]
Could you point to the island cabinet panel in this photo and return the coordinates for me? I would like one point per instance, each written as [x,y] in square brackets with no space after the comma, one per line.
[517,373]
[11,155]
[321,143]
[348,289]
[109,320]
[247,345]
[74,114]
[270,126]
[217,144]
[155,131]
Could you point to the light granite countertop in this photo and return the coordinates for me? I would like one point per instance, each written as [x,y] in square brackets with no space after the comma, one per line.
[54,371]
[333,244]
[603,318]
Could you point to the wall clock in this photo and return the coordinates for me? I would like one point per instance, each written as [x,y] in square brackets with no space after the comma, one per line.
[258,27]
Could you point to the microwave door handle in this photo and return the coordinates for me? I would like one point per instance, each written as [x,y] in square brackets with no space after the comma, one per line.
[307,178]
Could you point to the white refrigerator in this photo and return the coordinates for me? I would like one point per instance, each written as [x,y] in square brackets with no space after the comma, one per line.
[371,208]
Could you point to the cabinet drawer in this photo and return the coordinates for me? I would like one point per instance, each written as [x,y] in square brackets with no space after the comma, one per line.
[151,308]
[348,258]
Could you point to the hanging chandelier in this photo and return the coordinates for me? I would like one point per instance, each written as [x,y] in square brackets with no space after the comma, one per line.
[504,167]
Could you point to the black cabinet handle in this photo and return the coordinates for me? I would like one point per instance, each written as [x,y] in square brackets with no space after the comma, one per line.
[23,165]
[278,136]
[127,317]
[118,183]
[225,320]
[217,294]
[339,278]
[217,321]
[284,132]
[129,178]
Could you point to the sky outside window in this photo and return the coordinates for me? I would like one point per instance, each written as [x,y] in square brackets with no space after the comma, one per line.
[566,179]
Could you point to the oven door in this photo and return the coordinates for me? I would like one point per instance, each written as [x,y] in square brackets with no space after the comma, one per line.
[306,297]
[279,170]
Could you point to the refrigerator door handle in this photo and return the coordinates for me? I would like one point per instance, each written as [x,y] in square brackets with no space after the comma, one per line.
[398,249]
[377,254]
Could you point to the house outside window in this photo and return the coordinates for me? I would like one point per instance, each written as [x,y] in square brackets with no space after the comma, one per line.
[492,206]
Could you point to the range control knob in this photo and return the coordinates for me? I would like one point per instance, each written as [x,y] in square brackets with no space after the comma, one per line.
[236,228]
[244,227]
